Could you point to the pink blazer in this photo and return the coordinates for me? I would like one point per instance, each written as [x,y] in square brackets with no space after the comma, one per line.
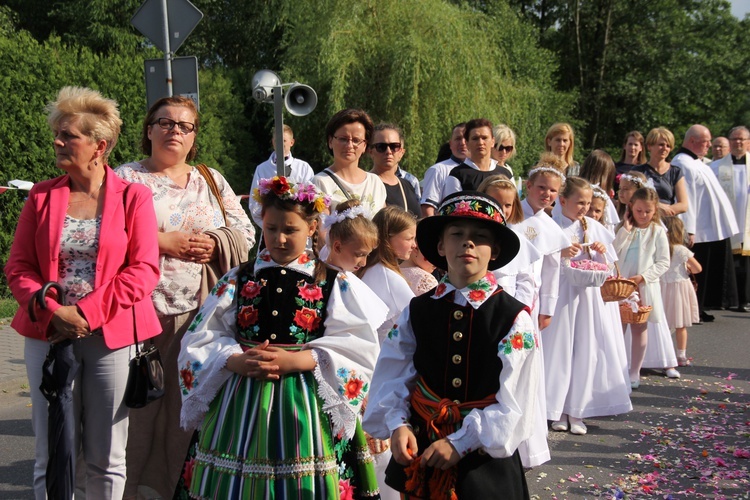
[127,264]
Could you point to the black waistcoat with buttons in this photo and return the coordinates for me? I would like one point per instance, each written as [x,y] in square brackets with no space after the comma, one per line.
[457,346]
[281,305]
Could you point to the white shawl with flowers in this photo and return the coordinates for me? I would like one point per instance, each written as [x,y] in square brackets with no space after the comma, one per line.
[345,355]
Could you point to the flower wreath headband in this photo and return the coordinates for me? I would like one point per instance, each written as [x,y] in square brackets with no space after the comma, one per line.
[638,182]
[599,192]
[302,192]
[349,213]
[547,170]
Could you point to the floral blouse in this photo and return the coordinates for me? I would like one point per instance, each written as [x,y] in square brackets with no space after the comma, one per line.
[345,353]
[191,209]
[79,247]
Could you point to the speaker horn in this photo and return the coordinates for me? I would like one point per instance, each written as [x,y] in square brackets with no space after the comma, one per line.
[263,83]
[300,99]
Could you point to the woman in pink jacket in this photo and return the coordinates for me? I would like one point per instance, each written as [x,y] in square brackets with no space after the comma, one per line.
[95,235]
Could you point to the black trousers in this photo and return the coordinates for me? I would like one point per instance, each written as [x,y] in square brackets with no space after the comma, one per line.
[717,283]
[742,270]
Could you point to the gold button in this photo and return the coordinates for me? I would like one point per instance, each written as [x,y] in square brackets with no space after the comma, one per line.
[273,336]
[278,290]
[457,359]
[274,313]
[457,382]
[457,336]
[457,401]
[458,314]
[283,271]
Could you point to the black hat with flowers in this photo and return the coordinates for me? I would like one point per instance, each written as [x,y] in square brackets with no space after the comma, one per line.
[467,205]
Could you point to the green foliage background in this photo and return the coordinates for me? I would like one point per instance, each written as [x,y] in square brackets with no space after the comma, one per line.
[606,66]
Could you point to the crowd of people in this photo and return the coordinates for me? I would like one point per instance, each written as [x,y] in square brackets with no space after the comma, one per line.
[391,338]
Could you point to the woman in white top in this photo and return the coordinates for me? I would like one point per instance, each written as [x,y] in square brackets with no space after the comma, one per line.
[348,133]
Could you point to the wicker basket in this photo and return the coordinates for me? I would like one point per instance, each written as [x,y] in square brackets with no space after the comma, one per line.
[628,317]
[618,288]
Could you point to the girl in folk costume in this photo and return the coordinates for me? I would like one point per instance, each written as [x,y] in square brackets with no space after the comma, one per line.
[678,294]
[584,366]
[642,246]
[455,384]
[517,279]
[542,187]
[397,231]
[276,365]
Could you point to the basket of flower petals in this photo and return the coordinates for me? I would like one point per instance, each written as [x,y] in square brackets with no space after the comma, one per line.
[617,288]
[631,312]
[585,272]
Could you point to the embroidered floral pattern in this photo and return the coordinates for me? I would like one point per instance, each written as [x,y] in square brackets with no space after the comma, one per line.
[251,289]
[247,316]
[346,490]
[343,282]
[352,387]
[187,376]
[79,245]
[393,332]
[307,319]
[518,341]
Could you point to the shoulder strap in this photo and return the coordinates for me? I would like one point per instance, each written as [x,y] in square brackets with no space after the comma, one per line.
[338,183]
[206,173]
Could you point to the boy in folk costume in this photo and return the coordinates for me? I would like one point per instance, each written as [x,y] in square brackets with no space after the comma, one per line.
[455,384]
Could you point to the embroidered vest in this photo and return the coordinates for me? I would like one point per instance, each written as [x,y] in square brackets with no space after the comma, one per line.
[281,305]
[457,346]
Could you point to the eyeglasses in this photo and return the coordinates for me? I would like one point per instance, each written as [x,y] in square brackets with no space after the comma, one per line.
[167,124]
[507,149]
[382,147]
[356,142]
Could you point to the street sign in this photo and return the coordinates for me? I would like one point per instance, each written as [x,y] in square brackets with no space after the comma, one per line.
[184,74]
[182,18]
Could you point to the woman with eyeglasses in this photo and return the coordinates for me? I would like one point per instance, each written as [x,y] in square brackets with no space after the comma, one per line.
[505,147]
[386,151]
[348,133]
[201,236]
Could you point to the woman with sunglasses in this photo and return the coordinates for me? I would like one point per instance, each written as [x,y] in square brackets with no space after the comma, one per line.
[349,132]
[505,147]
[199,241]
[386,151]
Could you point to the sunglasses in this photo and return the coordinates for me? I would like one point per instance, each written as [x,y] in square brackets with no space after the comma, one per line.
[507,149]
[382,147]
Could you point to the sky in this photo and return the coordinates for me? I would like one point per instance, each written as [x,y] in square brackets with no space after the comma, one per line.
[740,8]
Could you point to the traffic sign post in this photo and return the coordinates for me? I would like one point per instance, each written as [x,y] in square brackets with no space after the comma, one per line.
[184,72]
[167,23]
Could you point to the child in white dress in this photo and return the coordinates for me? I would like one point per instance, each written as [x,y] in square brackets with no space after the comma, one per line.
[350,236]
[542,188]
[680,300]
[397,231]
[584,371]
[642,246]
[517,278]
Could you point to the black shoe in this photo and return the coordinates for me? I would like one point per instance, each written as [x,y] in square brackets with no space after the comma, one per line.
[707,318]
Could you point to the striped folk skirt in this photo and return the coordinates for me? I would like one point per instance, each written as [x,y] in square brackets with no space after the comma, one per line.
[264,439]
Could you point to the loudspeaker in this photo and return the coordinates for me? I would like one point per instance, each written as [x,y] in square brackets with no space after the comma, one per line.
[300,99]
[263,83]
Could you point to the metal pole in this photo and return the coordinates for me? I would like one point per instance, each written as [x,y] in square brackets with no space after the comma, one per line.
[278,133]
[167,50]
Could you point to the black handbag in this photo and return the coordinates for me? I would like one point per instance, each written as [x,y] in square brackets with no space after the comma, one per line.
[145,376]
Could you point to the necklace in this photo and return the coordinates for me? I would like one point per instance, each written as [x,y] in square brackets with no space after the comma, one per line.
[89,196]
